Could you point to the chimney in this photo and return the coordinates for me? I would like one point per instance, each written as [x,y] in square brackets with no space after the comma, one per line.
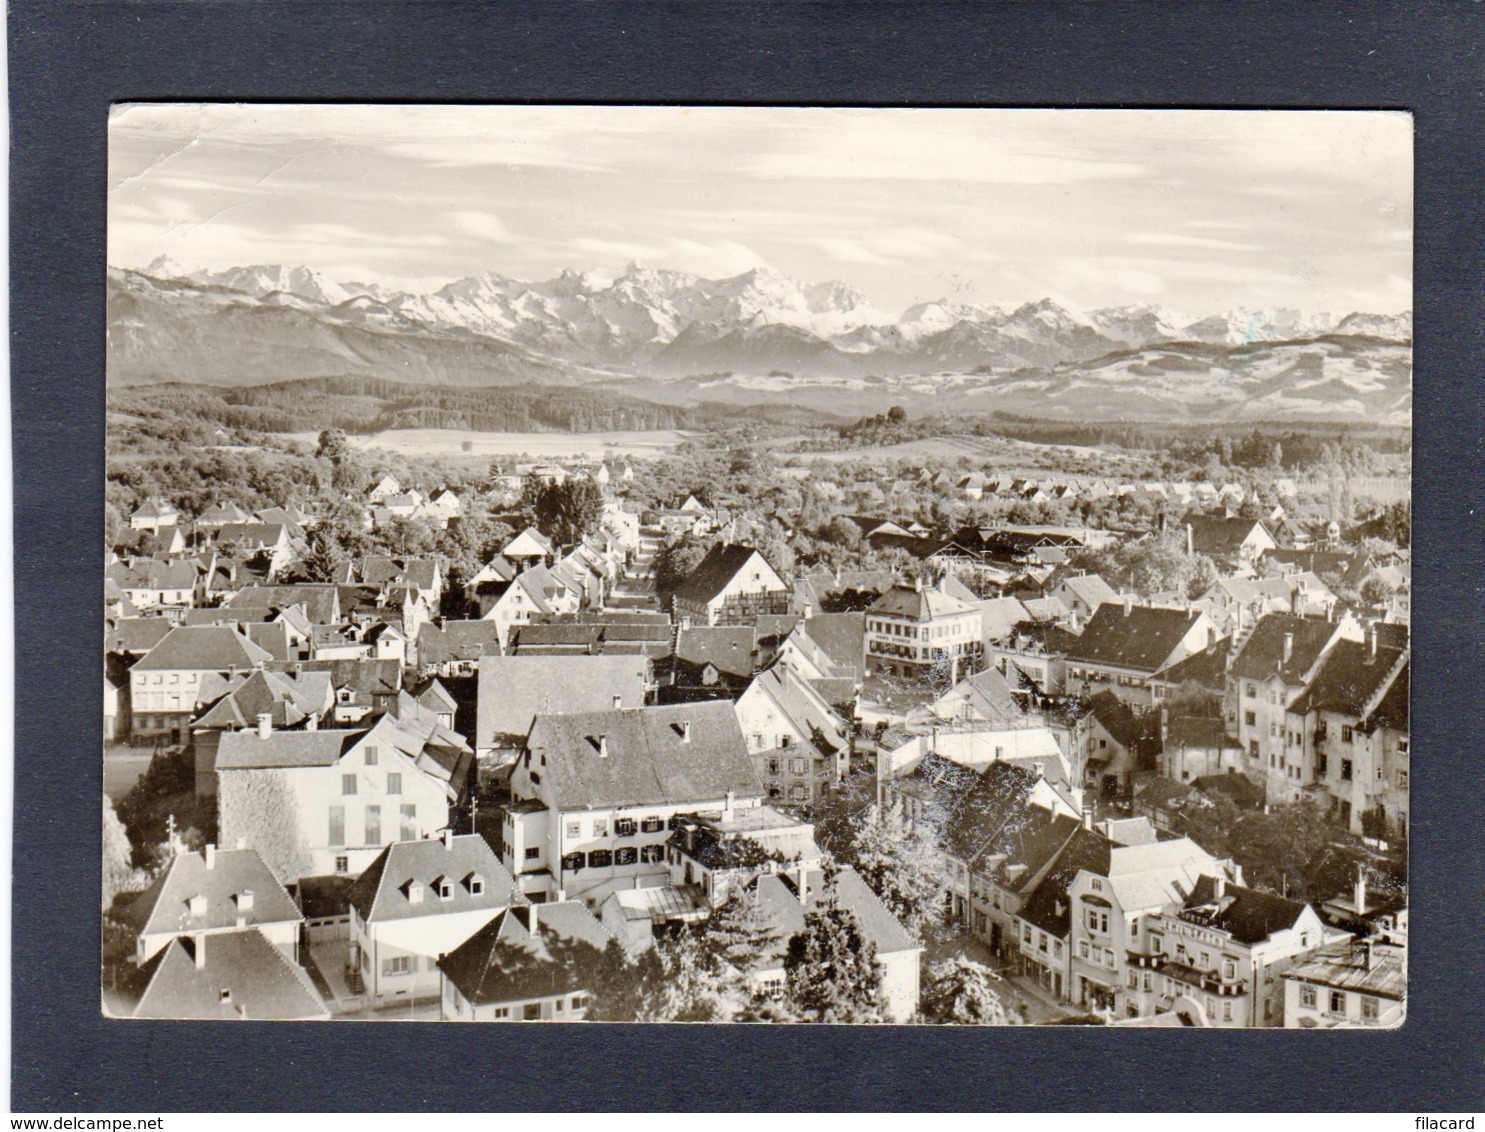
[804,883]
[1128,605]
[1190,540]
[685,731]
[1364,952]
[448,839]
[1359,894]
[242,843]
[532,916]
[603,746]
[210,854]
[1219,886]
[1087,813]
[198,946]
[1288,646]
[312,723]
[265,724]
[618,702]
[1296,599]
[727,807]
[1371,642]
[918,583]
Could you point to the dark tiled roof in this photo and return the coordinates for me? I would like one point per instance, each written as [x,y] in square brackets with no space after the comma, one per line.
[730,649]
[505,961]
[1199,731]
[840,636]
[1048,907]
[778,895]
[1246,914]
[1217,536]
[1239,789]
[641,757]
[365,677]
[1207,667]
[1350,679]
[919,604]
[384,891]
[1364,967]
[1262,655]
[456,640]
[247,750]
[1116,717]
[713,573]
[137,634]
[323,897]
[1392,712]
[1141,639]
[319,599]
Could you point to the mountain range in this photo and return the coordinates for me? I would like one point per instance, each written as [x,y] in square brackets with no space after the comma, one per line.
[675,337]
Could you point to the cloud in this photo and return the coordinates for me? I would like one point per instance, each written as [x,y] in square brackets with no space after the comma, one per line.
[891,246]
[484,225]
[1175,240]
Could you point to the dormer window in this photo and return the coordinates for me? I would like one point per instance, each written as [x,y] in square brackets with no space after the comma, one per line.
[444,887]
[414,893]
[197,905]
[476,884]
[245,900]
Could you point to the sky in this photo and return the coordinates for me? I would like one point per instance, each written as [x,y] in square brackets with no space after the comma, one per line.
[1197,211]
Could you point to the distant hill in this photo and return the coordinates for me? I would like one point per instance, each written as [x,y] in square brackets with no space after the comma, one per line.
[755,338]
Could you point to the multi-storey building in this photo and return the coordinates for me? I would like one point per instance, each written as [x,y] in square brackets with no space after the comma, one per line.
[595,794]
[732,585]
[1125,646]
[1347,984]
[165,684]
[912,631]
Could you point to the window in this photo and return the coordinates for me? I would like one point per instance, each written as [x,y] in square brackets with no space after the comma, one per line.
[1229,969]
[628,855]
[342,865]
[347,783]
[399,965]
[373,825]
[799,792]
[600,827]
[1251,691]
[1227,1011]
[476,886]
[1347,734]
[533,852]
[1321,765]
[625,827]
[1402,780]
[1273,730]
[337,825]
[573,862]
[1250,718]
[652,825]
[1096,885]
[600,858]
[502,1012]
[1252,748]
[409,831]
[445,888]
[1097,921]
[1149,981]
[394,783]
[1345,770]
[369,756]
[1307,996]
[531,1012]
[799,766]
[652,854]
[1402,746]
[1368,1008]
[1082,949]
[1337,1002]
[574,829]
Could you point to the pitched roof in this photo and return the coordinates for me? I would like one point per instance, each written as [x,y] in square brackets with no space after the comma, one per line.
[252,534]
[840,636]
[210,647]
[514,690]
[713,573]
[1392,712]
[1198,731]
[778,894]
[990,694]
[1246,914]
[237,702]
[1048,907]
[1218,536]
[1000,616]
[137,634]
[247,750]
[1351,679]
[166,905]
[1116,717]
[242,975]
[1262,654]
[919,604]
[505,961]
[804,707]
[1365,967]
[364,676]
[1207,667]
[1091,589]
[731,649]
[456,640]
[681,754]
[384,892]
[1136,636]
[320,600]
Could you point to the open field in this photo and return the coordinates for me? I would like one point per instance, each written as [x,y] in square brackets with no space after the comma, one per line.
[545,445]
[1010,457]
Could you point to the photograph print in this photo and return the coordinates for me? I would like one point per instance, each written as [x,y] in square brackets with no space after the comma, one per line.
[757,564]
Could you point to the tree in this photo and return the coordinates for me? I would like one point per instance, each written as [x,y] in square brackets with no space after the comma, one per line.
[667,982]
[676,560]
[119,874]
[740,934]
[831,972]
[960,991]
[332,446]
[896,415]
[902,864]
[567,512]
